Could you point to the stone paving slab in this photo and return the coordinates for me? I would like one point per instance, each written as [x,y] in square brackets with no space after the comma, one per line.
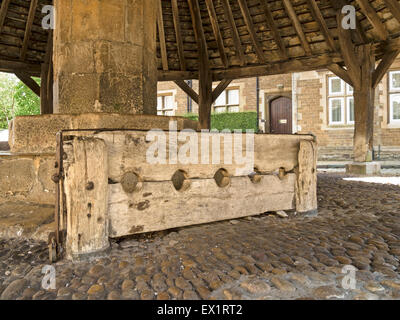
[264,257]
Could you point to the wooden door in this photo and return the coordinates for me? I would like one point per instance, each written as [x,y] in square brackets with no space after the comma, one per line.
[281,116]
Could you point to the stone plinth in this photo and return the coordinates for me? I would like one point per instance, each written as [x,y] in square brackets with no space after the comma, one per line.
[37,134]
[105,56]
[27,178]
[364,168]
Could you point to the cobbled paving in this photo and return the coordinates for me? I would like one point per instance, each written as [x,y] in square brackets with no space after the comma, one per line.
[263,257]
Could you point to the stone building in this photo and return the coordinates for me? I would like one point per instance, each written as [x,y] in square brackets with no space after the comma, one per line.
[315,101]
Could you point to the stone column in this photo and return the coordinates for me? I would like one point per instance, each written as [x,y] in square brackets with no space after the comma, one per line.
[105,56]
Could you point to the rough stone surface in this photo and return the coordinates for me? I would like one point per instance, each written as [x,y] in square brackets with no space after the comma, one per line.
[260,258]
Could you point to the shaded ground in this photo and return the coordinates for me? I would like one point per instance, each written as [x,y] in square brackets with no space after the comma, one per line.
[264,257]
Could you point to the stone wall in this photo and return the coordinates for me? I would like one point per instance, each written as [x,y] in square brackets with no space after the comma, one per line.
[27,178]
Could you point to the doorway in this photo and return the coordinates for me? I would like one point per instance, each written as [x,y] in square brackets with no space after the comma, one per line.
[280,112]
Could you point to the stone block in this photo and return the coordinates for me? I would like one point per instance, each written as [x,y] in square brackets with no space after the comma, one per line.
[37,134]
[364,168]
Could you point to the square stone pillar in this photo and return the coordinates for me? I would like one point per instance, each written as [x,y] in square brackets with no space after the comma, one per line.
[105,56]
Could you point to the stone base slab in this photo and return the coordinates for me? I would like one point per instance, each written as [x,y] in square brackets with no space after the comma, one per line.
[27,178]
[37,134]
[364,168]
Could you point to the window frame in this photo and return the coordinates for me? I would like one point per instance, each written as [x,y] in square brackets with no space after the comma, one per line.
[227,105]
[345,95]
[392,92]
[331,122]
[348,121]
[391,111]
[164,109]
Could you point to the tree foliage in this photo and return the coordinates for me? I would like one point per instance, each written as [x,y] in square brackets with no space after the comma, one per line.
[16,99]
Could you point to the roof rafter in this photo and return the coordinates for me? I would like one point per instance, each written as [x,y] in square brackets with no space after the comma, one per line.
[178,34]
[3,13]
[251,29]
[297,26]
[274,29]
[28,29]
[161,35]
[235,34]
[374,19]
[217,32]
[317,15]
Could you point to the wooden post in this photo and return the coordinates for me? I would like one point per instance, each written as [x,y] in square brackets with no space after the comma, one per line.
[46,85]
[44,106]
[86,189]
[306,187]
[364,97]
[205,97]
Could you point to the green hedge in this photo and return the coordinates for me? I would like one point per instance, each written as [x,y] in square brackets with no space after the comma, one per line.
[231,121]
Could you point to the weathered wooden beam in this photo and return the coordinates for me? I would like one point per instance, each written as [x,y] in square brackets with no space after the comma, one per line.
[220,88]
[161,35]
[317,15]
[235,34]
[347,49]
[188,90]
[15,66]
[340,72]
[383,67]
[374,19]
[205,76]
[394,8]
[364,98]
[250,28]
[3,13]
[28,29]
[297,26]
[217,32]
[274,29]
[178,34]
[297,65]
[29,82]
[359,32]
[172,75]
[46,88]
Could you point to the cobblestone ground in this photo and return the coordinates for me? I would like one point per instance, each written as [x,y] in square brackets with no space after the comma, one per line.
[264,257]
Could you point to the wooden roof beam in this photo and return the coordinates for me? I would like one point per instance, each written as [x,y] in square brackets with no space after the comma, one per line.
[188,90]
[28,28]
[220,88]
[384,66]
[293,65]
[374,19]
[274,29]
[394,8]
[317,15]
[235,34]
[15,66]
[340,72]
[178,34]
[297,26]
[217,32]
[251,29]
[3,13]
[29,82]
[161,35]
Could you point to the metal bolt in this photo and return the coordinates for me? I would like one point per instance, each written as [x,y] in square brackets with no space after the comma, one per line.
[89,186]
[55,178]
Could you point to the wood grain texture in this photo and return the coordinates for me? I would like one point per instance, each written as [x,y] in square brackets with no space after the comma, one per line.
[306,190]
[87,220]
[158,206]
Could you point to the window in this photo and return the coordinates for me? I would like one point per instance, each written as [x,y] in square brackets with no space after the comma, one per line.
[340,102]
[394,96]
[165,105]
[228,101]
